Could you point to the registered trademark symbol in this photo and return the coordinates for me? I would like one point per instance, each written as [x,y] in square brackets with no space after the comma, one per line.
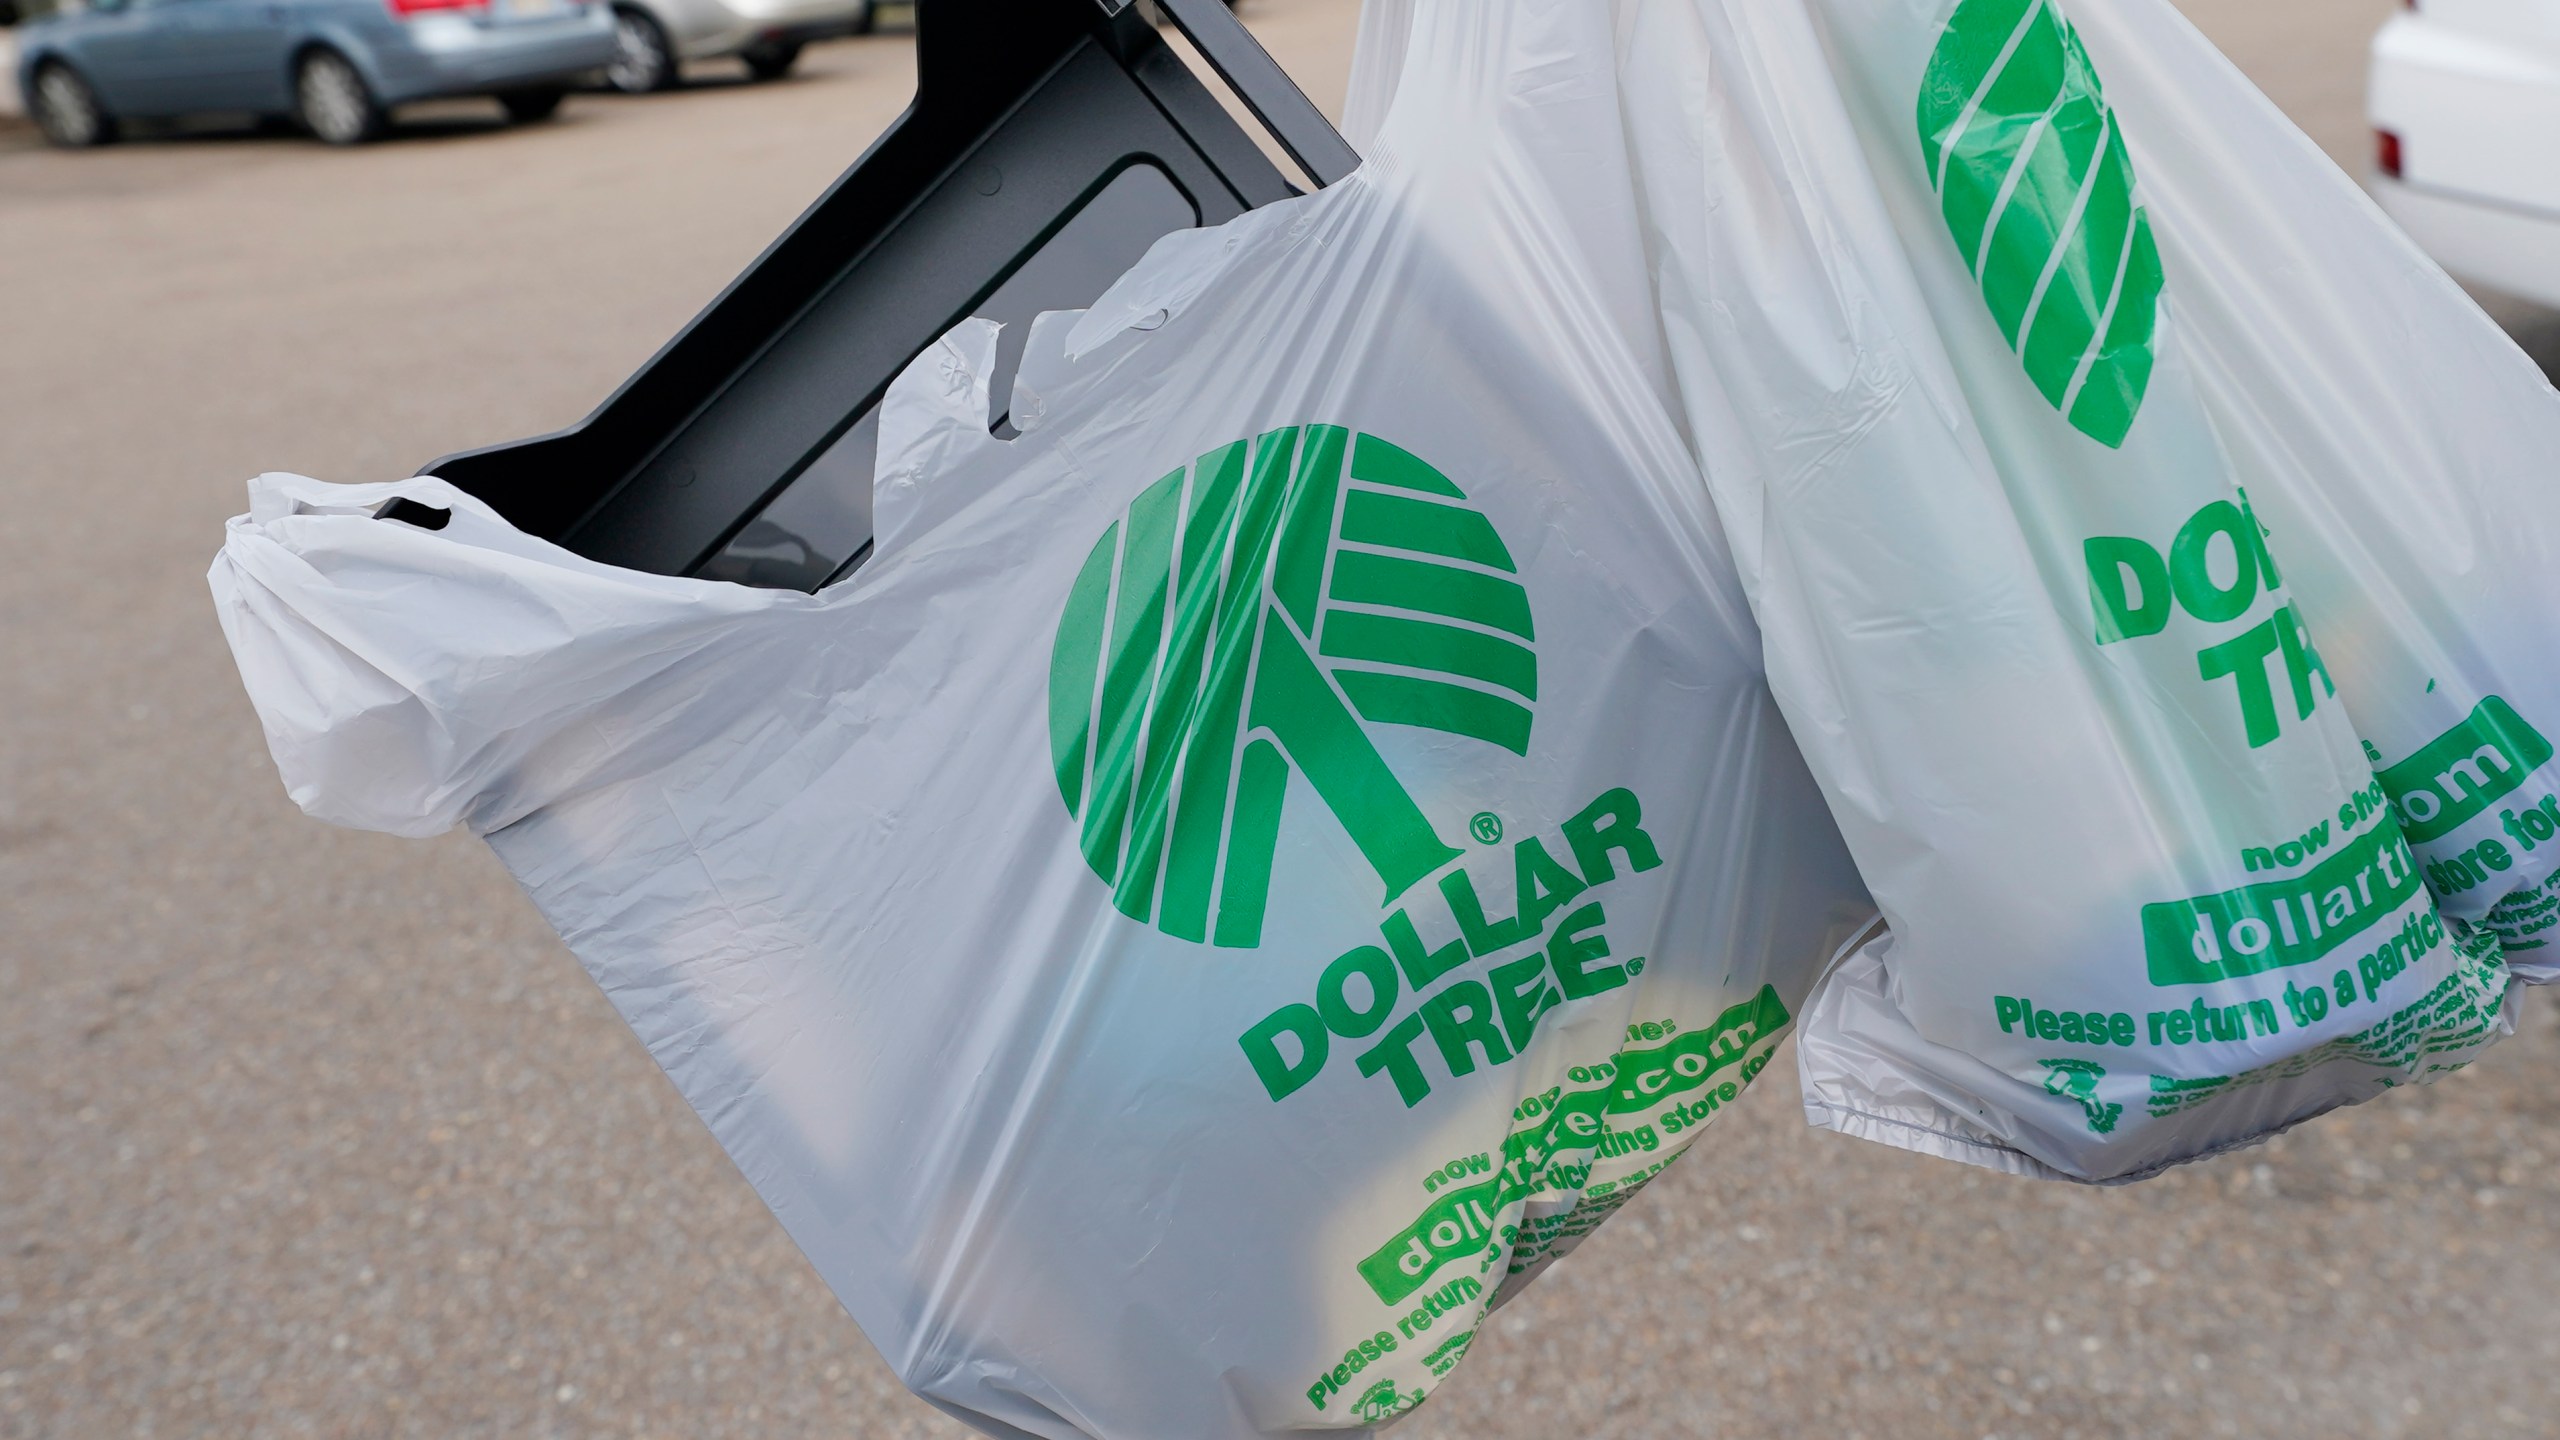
[1486,827]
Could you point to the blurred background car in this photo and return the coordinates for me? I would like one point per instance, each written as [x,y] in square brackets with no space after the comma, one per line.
[2464,97]
[336,67]
[653,37]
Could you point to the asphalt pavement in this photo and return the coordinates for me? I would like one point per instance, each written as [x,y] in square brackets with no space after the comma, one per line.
[307,1132]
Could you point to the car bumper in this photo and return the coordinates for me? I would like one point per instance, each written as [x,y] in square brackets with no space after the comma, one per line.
[802,33]
[2503,246]
[456,55]
[750,22]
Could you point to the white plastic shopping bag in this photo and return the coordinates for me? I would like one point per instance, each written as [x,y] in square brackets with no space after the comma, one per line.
[2087,740]
[2398,444]
[1250,870]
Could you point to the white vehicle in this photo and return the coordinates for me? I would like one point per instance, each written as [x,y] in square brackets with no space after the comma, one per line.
[2465,100]
[654,37]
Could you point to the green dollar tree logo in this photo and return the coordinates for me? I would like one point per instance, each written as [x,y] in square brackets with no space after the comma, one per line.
[2031,174]
[1238,625]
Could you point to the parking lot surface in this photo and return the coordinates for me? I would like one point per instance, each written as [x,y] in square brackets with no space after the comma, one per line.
[309,1132]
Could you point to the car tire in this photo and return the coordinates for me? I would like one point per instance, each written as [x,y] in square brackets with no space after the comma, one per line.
[66,109]
[770,60]
[643,61]
[527,107]
[333,102]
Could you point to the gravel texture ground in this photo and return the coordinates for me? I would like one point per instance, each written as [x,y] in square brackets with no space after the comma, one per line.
[305,1132]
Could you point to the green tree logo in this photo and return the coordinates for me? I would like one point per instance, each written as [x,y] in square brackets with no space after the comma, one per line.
[2031,174]
[1237,625]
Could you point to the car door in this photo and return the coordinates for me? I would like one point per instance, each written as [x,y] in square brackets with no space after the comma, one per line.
[168,57]
[127,49]
[237,54]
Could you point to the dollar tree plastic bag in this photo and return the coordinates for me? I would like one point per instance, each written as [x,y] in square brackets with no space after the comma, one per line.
[2147,897]
[2396,443]
[1250,871]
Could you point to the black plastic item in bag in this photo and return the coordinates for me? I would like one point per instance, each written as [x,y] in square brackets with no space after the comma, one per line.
[1050,143]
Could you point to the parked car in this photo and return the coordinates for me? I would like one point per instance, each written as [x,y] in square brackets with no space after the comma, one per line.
[2465,100]
[653,37]
[335,66]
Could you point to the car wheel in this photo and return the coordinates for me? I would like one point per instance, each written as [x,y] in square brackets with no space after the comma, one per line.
[67,110]
[642,59]
[771,60]
[333,102]
[524,107]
